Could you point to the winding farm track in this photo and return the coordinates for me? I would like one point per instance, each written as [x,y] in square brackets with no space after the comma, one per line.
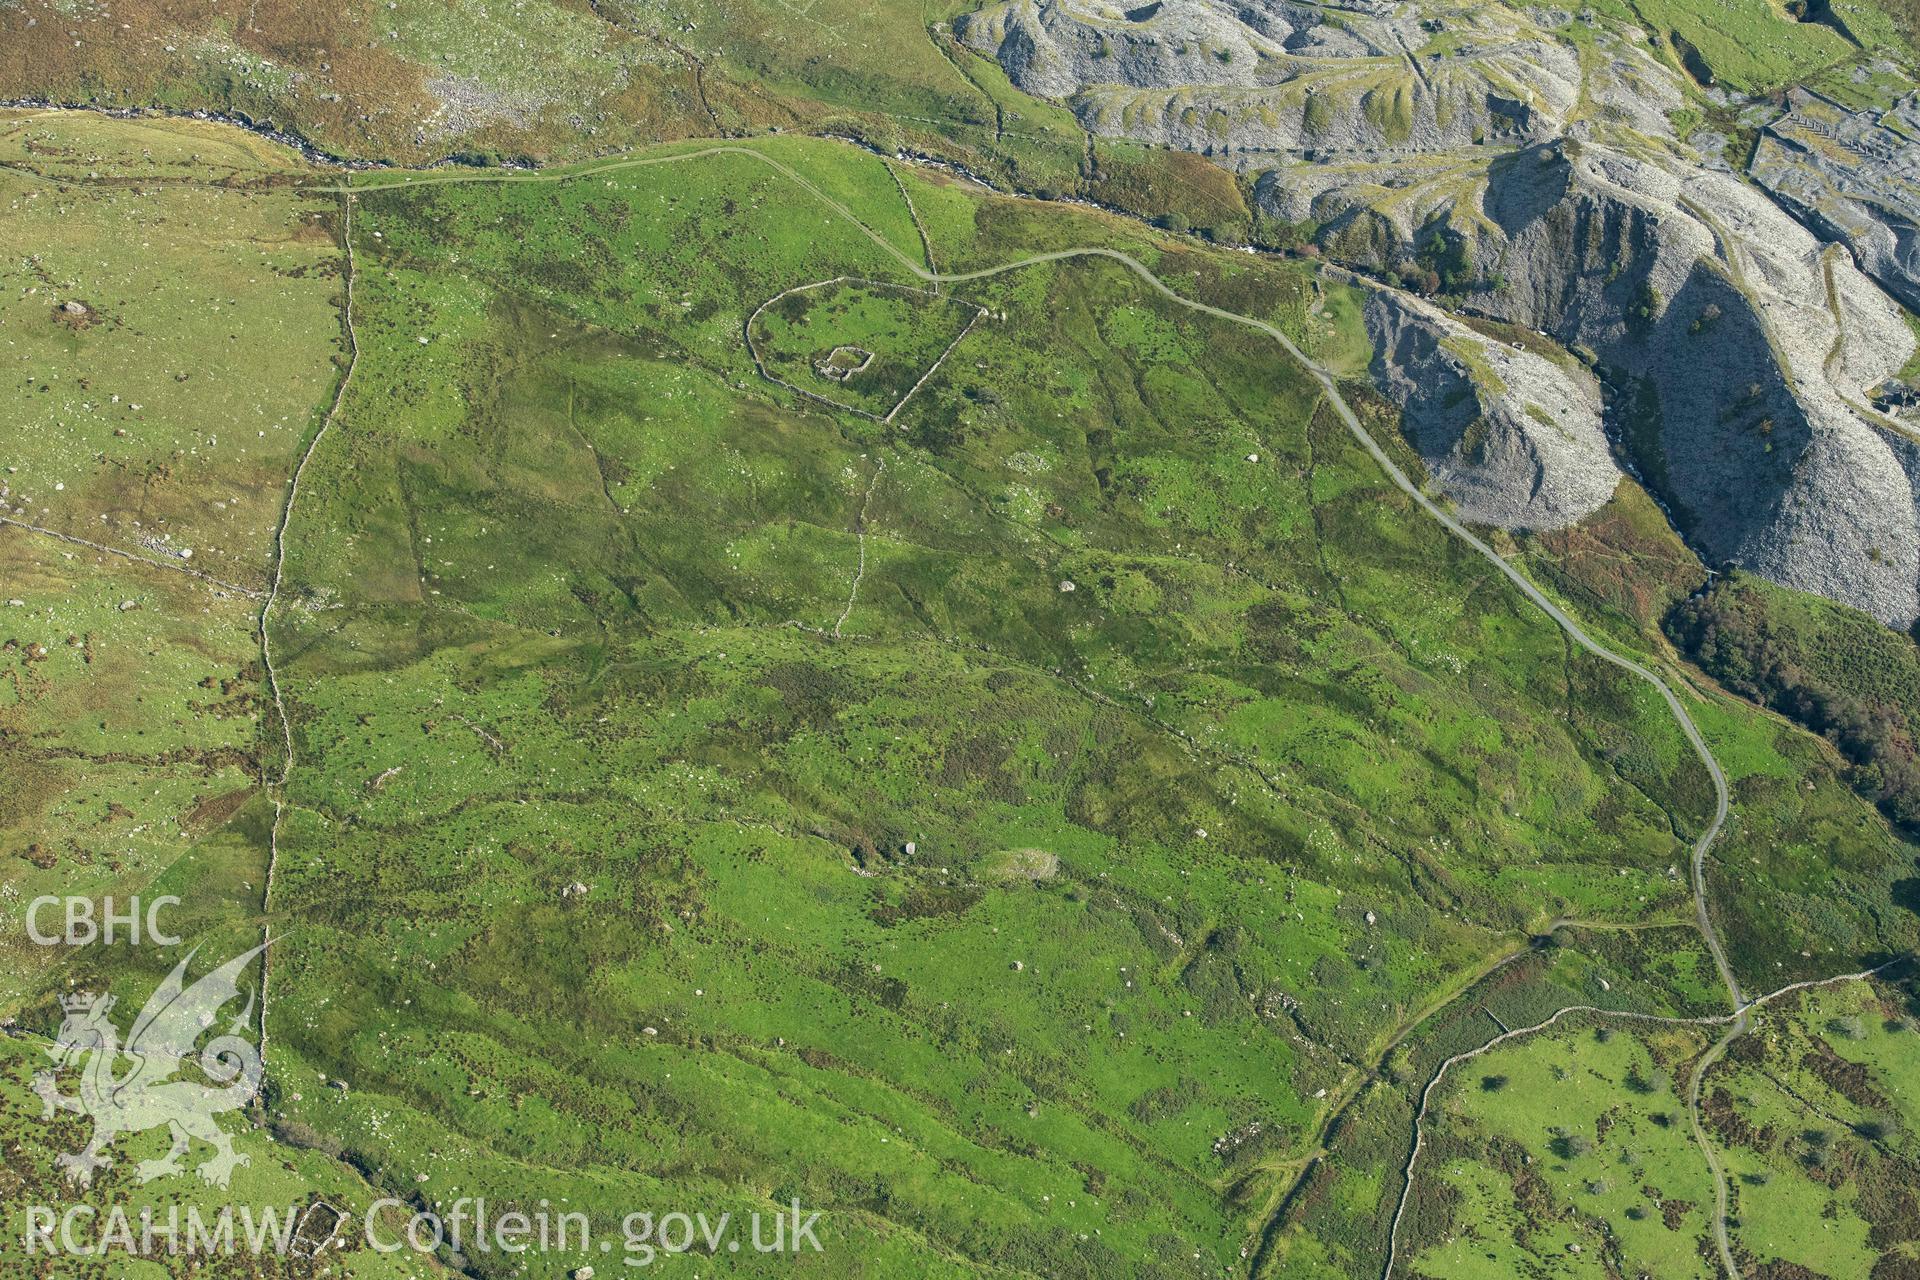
[1736,1021]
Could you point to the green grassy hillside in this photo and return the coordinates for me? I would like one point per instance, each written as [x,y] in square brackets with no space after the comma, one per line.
[1032,832]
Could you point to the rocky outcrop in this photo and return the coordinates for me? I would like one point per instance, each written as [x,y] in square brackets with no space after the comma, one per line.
[1474,150]
[1747,347]
[1205,75]
[1740,348]
[1514,438]
[1854,177]
[1054,51]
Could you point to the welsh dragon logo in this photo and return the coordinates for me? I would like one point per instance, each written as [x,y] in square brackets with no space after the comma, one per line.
[145,1096]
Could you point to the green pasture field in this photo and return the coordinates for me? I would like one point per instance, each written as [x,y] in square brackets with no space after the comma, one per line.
[884,339]
[1568,1154]
[165,415]
[1817,1113]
